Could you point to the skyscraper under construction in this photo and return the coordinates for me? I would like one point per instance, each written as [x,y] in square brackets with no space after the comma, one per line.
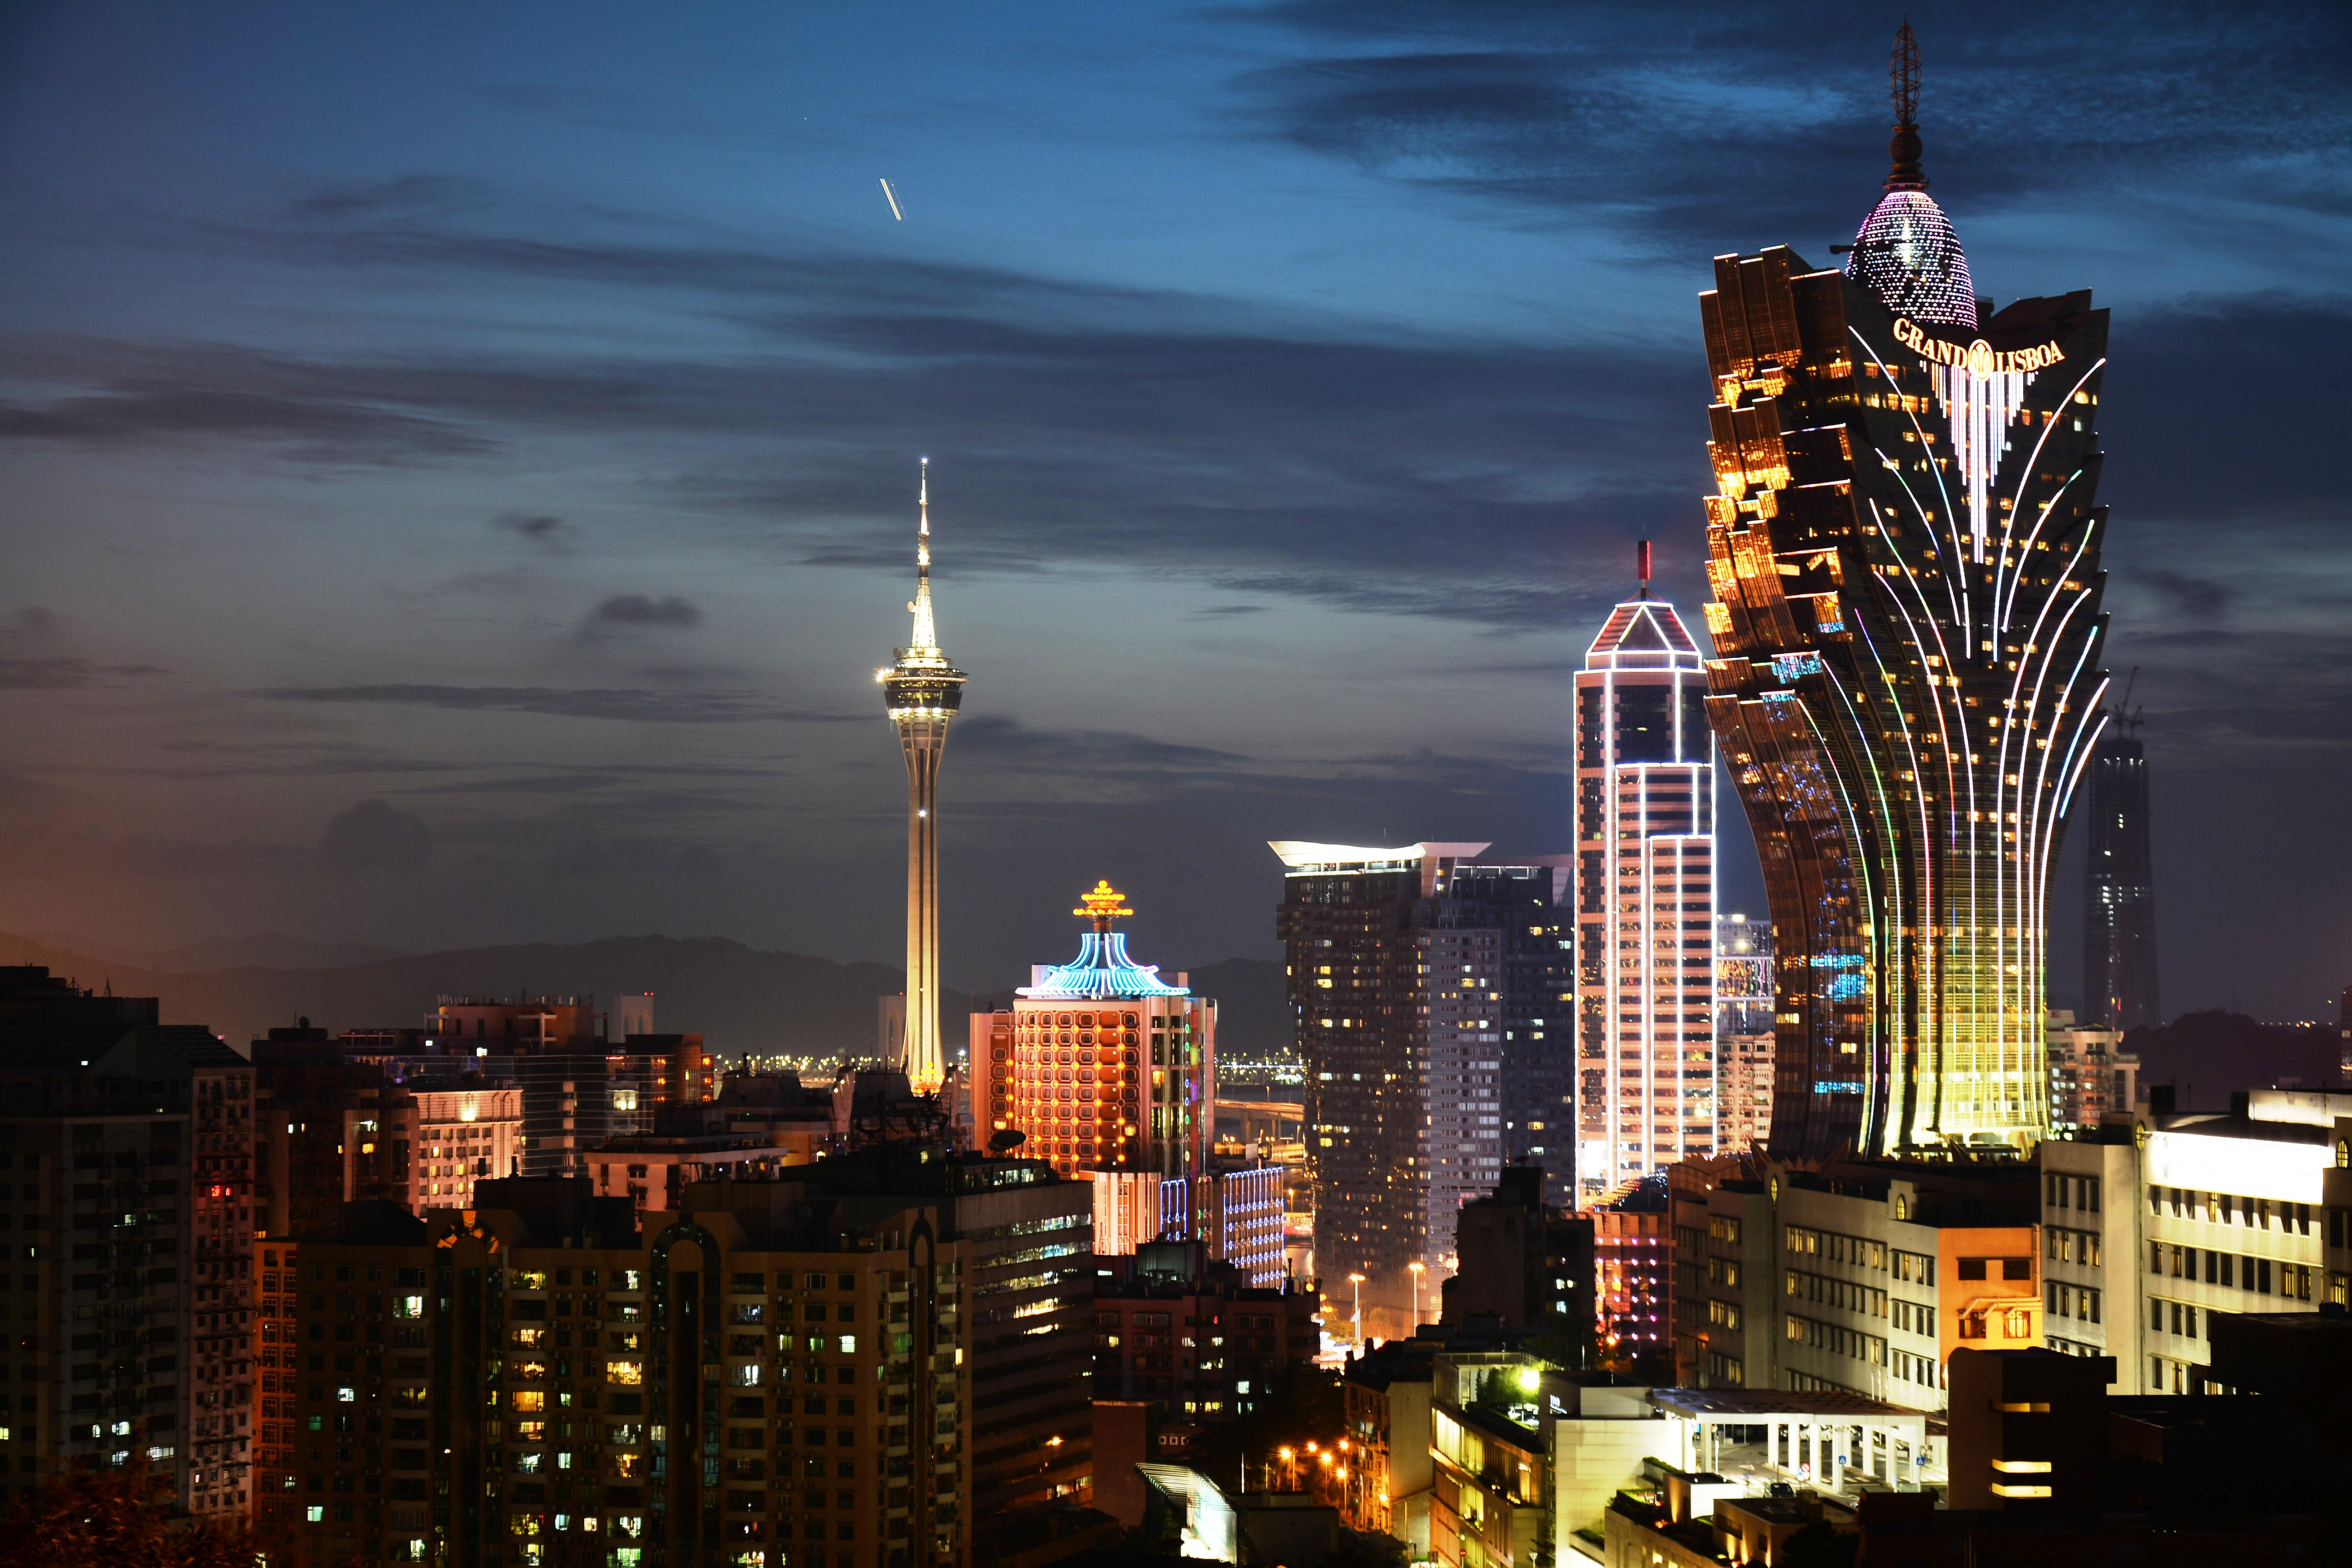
[2119,990]
[1904,562]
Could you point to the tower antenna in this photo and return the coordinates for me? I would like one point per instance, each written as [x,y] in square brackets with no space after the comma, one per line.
[1903,83]
[1642,566]
[1903,76]
[926,629]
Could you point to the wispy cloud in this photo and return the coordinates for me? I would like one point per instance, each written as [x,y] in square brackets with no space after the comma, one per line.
[641,705]
[61,673]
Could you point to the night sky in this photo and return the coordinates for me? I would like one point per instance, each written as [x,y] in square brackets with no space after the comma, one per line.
[459,461]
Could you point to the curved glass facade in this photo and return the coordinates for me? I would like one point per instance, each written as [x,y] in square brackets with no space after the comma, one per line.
[1903,566]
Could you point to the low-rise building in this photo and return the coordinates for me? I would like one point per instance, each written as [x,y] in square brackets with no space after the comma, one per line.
[1385,1393]
[1871,1272]
[1528,1266]
[1674,1518]
[1192,1336]
[654,1173]
[2220,1212]
[1236,1214]
[1525,1458]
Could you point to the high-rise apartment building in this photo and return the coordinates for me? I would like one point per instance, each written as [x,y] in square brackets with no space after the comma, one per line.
[1099,1063]
[2119,982]
[1744,1042]
[1432,998]
[1743,976]
[1744,1069]
[879,1362]
[2092,1077]
[1644,899]
[1904,564]
[1633,1289]
[922,691]
[463,1136]
[129,1149]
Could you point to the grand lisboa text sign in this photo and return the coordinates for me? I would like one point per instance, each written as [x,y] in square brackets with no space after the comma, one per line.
[1978,358]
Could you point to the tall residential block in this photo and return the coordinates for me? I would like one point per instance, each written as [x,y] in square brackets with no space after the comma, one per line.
[1432,998]
[921,691]
[129,1281]
[1644,900]
[2092,1077]
[880,1362]
[2119,981]
[1904,565]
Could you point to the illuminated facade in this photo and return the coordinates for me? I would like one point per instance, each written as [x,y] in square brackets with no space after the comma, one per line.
[1644,900]
[1430,994]
[923,691]
[1904,562]
[1100,1063]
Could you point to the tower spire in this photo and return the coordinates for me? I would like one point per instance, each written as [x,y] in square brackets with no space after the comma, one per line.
[921,691]
[1903,83]
[927,634]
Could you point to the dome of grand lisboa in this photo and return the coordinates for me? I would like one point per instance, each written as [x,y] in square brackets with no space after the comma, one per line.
[1907,254]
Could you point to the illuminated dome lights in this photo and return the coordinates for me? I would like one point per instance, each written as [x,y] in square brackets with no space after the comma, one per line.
[1102,970]
[1908,254]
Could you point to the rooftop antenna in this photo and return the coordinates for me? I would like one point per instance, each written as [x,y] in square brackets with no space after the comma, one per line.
[926,633]
[1642,566]
[1903,82]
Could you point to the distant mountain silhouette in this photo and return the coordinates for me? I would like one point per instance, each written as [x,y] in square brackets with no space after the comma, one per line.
[2208,1055]
[740,999]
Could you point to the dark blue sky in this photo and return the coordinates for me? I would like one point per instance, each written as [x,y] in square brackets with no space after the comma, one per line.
[508,415]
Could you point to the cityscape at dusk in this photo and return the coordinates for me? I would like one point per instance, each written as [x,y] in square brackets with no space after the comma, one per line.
[1679,675]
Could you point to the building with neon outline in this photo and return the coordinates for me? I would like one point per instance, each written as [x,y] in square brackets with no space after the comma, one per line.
[921,691]
[1903,566]
[1644,900]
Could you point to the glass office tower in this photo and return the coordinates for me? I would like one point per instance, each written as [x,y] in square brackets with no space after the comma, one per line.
[1903,565]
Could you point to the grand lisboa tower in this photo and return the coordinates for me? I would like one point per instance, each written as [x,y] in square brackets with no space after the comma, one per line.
[1904,565]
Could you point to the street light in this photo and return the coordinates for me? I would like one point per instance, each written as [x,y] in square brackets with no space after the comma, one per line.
[1417,1268]
[1357,1295]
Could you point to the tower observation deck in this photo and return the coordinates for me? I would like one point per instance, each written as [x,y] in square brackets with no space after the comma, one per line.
[921,691]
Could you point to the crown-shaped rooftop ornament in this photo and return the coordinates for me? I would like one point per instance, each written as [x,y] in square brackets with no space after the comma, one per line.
[1102,906]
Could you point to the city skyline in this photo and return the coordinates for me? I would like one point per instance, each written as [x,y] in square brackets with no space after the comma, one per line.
[524,465]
